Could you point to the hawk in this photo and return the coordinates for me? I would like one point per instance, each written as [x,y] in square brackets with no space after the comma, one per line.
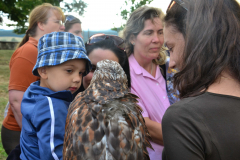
[104,122]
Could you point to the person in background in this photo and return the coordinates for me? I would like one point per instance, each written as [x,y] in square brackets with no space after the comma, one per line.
[73,25]
[143,35]
[203,37]
[43,19]
[100,47]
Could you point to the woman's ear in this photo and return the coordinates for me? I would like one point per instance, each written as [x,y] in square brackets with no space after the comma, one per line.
[42,71]
[41,26]
[132,39]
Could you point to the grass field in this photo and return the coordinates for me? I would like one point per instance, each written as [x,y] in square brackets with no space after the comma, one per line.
[5,56]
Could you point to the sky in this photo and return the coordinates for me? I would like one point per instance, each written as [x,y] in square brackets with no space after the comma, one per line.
[102,14]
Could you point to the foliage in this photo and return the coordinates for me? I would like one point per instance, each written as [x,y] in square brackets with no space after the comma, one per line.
[118,28]
[75,6]
[18,10]
[133,5]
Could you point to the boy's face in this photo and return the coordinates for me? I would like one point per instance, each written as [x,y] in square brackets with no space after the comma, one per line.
[66,76]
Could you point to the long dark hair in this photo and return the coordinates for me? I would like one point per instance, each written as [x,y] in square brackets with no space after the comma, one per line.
[120,54]
[211,29]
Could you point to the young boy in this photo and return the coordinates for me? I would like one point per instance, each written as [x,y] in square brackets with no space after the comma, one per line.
[61,63]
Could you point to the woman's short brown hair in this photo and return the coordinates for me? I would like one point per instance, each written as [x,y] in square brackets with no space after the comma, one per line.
[135,25]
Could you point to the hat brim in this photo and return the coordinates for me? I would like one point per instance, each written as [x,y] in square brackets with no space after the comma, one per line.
[57,58]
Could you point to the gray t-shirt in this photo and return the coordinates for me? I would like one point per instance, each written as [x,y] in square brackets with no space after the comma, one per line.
[205,127]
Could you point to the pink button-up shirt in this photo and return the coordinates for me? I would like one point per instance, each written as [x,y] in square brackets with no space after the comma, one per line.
[152,97]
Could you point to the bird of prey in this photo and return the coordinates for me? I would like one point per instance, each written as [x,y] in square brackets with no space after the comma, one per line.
[104,122]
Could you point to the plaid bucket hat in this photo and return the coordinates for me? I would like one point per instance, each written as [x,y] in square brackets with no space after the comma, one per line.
[58,47]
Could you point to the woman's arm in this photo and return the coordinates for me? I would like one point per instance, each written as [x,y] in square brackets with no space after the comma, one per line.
[15,99]
[155,130]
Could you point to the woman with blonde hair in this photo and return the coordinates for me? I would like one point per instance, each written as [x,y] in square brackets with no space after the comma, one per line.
[43,19]
[143,36]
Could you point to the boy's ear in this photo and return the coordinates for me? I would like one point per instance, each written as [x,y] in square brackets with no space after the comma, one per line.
[42,71]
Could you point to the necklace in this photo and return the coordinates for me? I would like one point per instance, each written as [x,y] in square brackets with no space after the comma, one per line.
[151,68]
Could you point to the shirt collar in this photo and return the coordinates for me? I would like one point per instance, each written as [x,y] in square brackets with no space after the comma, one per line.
[33,41]
[140,70]
[35,88]
[134,65]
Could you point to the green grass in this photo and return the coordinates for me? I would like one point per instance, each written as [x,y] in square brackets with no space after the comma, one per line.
[3,154]
[5,56]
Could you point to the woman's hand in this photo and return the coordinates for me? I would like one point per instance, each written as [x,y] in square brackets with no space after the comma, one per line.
[15,99]
[155,130]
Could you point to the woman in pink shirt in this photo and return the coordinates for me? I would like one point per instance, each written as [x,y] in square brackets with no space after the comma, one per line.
[144,39]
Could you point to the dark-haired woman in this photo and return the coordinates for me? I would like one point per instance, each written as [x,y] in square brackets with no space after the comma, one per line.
[100,47]
[203,37]
[73,25]
[43,19]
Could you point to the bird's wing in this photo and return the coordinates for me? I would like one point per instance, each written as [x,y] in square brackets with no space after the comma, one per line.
[127,134]
[84,131]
